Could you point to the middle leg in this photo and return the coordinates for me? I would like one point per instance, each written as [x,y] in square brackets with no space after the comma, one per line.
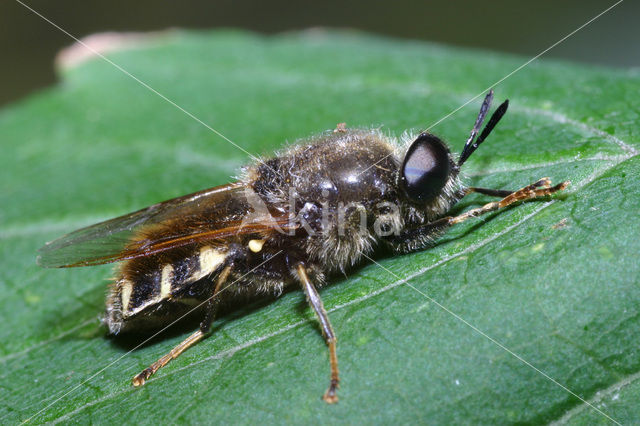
[330,396]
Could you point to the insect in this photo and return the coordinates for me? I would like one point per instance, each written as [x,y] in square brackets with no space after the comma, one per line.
[292,220]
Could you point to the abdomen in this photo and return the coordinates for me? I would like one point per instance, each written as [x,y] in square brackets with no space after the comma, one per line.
[146,290]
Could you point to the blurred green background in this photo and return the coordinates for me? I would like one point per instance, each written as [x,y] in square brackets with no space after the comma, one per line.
[29,44]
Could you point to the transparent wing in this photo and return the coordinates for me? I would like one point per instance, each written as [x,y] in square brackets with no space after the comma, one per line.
[213,214]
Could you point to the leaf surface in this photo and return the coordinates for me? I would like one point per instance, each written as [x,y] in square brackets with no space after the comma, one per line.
[554,281]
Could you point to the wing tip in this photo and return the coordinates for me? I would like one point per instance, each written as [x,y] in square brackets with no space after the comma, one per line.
[43,262]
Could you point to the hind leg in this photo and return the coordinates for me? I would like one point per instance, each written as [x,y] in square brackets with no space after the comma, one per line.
[205,326]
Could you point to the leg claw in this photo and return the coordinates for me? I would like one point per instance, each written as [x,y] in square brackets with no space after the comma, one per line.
[141,378]
[331,396]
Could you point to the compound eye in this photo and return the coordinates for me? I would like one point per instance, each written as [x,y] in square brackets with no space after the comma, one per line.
[426,168]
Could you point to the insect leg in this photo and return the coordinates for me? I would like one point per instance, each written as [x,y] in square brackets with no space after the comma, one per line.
[540,188]
[142,377]
[214,301]
[488,191]
[423,236]
[212,307]
[314,300]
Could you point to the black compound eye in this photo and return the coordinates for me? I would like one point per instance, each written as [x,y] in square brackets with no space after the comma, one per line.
[426,168]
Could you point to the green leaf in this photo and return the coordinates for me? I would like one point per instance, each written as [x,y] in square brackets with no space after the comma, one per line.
[555,281]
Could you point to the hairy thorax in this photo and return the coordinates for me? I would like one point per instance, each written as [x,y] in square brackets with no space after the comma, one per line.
[340,188]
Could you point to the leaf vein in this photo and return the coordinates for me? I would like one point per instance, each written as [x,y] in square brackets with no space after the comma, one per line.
[598,397]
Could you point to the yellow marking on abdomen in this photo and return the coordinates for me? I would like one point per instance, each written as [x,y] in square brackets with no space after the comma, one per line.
[126,288]
[210,260]
[256,245]
[166,281]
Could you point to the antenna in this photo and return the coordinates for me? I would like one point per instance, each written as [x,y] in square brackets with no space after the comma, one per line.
[471,146]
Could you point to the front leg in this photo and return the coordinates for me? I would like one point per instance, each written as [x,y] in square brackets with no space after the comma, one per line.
[540,188]
[314,300]
[422,236]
